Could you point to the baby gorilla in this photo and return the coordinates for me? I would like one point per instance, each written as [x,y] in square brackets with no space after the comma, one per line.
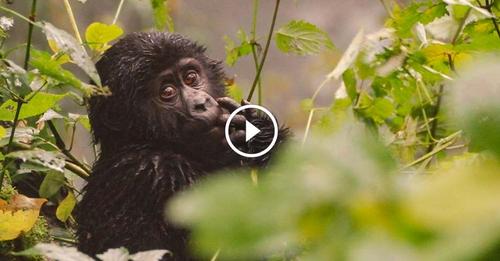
[160,131]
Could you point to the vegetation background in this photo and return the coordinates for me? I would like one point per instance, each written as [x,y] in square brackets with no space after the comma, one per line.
[394,105]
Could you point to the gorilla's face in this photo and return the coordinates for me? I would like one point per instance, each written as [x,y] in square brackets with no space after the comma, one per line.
[183,91]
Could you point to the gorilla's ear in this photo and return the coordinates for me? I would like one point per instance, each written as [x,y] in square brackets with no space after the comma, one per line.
[108,118]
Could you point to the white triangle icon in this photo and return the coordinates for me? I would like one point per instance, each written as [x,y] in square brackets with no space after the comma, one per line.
[250,131]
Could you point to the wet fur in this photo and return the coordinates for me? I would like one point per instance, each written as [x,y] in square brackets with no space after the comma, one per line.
[144,160]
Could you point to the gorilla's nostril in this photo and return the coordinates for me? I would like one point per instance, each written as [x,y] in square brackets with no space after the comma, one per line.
[200,107]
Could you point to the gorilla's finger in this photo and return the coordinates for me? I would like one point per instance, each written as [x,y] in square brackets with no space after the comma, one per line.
[238,137]
[252,113]
[228,103]
[237,121]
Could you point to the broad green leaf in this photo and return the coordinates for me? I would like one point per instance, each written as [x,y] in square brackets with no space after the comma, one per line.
[98,35]
[39,157]
[380,110]
[73,48]
[161,15]
[302,38]
[63,211]
[51,184]
[39,104]
[336,117]
[350,83]
[47,66]
[233,52]
[404,20]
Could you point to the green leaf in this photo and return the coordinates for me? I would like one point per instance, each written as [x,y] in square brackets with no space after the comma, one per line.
[380,110]
[41,158]
[424,12]
[233,52]
[98,35]
[69,45]
[66,206]
[350,82]
[336,117]
[51,184]
[302,38]
[161,15]
[52,68]
[39,104]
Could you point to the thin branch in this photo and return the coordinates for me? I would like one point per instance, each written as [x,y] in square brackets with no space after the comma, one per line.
[437,108]
[461,26]
[62,146]
[266,49]
[30,33]
[254,44]
[26,59]
[434,124]
[443,144]
[72,137]
[118,11]
[73,21]
[26,19]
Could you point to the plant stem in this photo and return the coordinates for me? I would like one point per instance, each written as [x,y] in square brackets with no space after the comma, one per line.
[30,33]
[437,108]
[118,11]
[266,49]
[16,14]
[488,7]
[20,101]
[73,21]
[62,146]
[254,52]
[442,144]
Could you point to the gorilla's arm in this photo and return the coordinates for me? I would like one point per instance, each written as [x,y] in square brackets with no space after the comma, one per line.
[124,202]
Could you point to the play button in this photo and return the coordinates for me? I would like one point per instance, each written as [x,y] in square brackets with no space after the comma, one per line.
[251,131]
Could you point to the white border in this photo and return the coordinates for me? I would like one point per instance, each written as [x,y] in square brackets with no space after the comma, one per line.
[251,155]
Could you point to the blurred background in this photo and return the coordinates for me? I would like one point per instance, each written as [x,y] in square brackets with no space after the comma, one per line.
[285,81]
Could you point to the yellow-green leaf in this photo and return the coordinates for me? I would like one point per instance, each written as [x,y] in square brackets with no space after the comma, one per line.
[98,35]
[40,103]
[66,207]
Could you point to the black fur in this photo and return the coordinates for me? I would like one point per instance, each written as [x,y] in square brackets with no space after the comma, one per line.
[144,161]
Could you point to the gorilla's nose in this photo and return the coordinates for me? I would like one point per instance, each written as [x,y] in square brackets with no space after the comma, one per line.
[200,104]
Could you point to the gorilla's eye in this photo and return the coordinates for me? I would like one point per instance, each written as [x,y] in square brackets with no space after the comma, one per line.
[191,78]
[167,93]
